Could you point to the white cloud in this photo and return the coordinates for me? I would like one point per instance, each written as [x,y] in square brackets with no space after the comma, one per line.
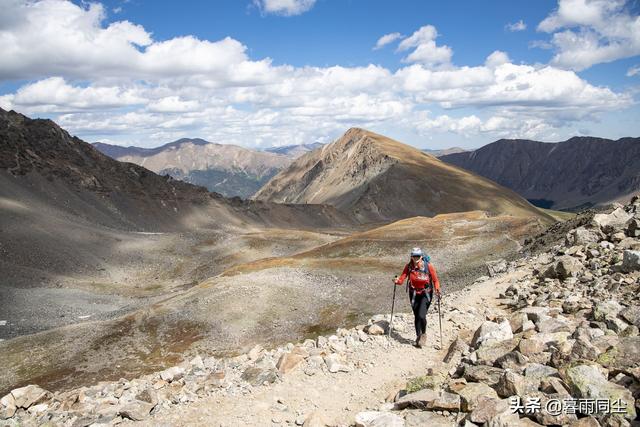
[285,7]
[516,26]
[425,49]
[386,39]
[633,71]
[589,32]
[115,81]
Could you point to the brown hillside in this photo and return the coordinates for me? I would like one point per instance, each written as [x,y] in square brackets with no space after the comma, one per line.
[377,178]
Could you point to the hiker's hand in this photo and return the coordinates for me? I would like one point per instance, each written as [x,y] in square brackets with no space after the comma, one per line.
[438,294]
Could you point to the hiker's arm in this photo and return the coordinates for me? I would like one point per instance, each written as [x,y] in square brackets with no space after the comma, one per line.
[434,276]
[403,276]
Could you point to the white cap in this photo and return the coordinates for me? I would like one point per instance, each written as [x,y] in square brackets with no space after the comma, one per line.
[416,252]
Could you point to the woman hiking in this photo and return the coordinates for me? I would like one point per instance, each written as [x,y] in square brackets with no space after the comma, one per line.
[423,281]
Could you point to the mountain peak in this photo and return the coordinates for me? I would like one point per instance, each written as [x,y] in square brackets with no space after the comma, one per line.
[369,176]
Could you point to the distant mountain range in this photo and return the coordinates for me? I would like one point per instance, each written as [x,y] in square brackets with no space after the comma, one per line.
[445,151]
[571,175]
[376,178]
[224,168]
[295,151]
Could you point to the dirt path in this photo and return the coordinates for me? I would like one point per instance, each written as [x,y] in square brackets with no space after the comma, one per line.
[381,367]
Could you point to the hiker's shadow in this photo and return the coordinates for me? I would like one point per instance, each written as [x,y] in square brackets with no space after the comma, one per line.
[402,340]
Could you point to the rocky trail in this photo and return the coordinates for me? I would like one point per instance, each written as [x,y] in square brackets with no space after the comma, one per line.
[549,339]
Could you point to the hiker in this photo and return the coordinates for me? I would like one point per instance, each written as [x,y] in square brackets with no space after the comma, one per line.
[422,281]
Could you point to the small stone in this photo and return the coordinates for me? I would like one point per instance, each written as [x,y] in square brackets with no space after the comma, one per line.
[172,374]
[378,328]
[378,419]
[288,362]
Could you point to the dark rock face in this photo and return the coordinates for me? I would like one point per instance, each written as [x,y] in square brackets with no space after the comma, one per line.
[67,171]
[577,173]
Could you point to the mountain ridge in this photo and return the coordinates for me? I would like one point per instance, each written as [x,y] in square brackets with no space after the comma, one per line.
[579,172]
[367,174]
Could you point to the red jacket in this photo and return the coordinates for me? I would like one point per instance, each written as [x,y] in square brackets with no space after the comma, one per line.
[432,273]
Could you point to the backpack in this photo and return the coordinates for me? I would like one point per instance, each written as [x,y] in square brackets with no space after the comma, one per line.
[420,278]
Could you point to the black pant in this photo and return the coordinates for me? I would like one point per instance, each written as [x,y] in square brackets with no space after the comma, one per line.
[420,304]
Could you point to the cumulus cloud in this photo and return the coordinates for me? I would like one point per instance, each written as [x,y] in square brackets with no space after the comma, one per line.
[285,7]
[115,81]
[423,41]
[516,26]
[386,39]
[589,32]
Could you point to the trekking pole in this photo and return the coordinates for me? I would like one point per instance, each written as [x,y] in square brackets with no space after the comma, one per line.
[393,303]
[440,318]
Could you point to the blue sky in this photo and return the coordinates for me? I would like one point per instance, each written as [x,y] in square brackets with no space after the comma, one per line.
[276,72]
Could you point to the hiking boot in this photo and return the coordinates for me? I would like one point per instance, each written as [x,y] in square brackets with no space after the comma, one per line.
[418,341]
[422,341]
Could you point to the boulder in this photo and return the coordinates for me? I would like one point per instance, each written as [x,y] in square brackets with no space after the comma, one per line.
[517,320]
[612,222]
[471,393]
[606,309]
[255,352]
[496,267]
[491,332]
[633,227]
[581,236]
[631,314]
[487,408]
[421,399]
[567,266]
[427,418]
[554,417]
[514,360]
[585,422]
[288,362]
[536,314]
[336,364]
[504,419]
[588,382]
[553,324]
[514,384]
[625,355]
[7,407]
[630,261]
[531,346]
[488,354]
[378,419]
[135,410]
[456,349]
[260,374]
[537,370]
[483,373]
[446,402]
[26,396]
